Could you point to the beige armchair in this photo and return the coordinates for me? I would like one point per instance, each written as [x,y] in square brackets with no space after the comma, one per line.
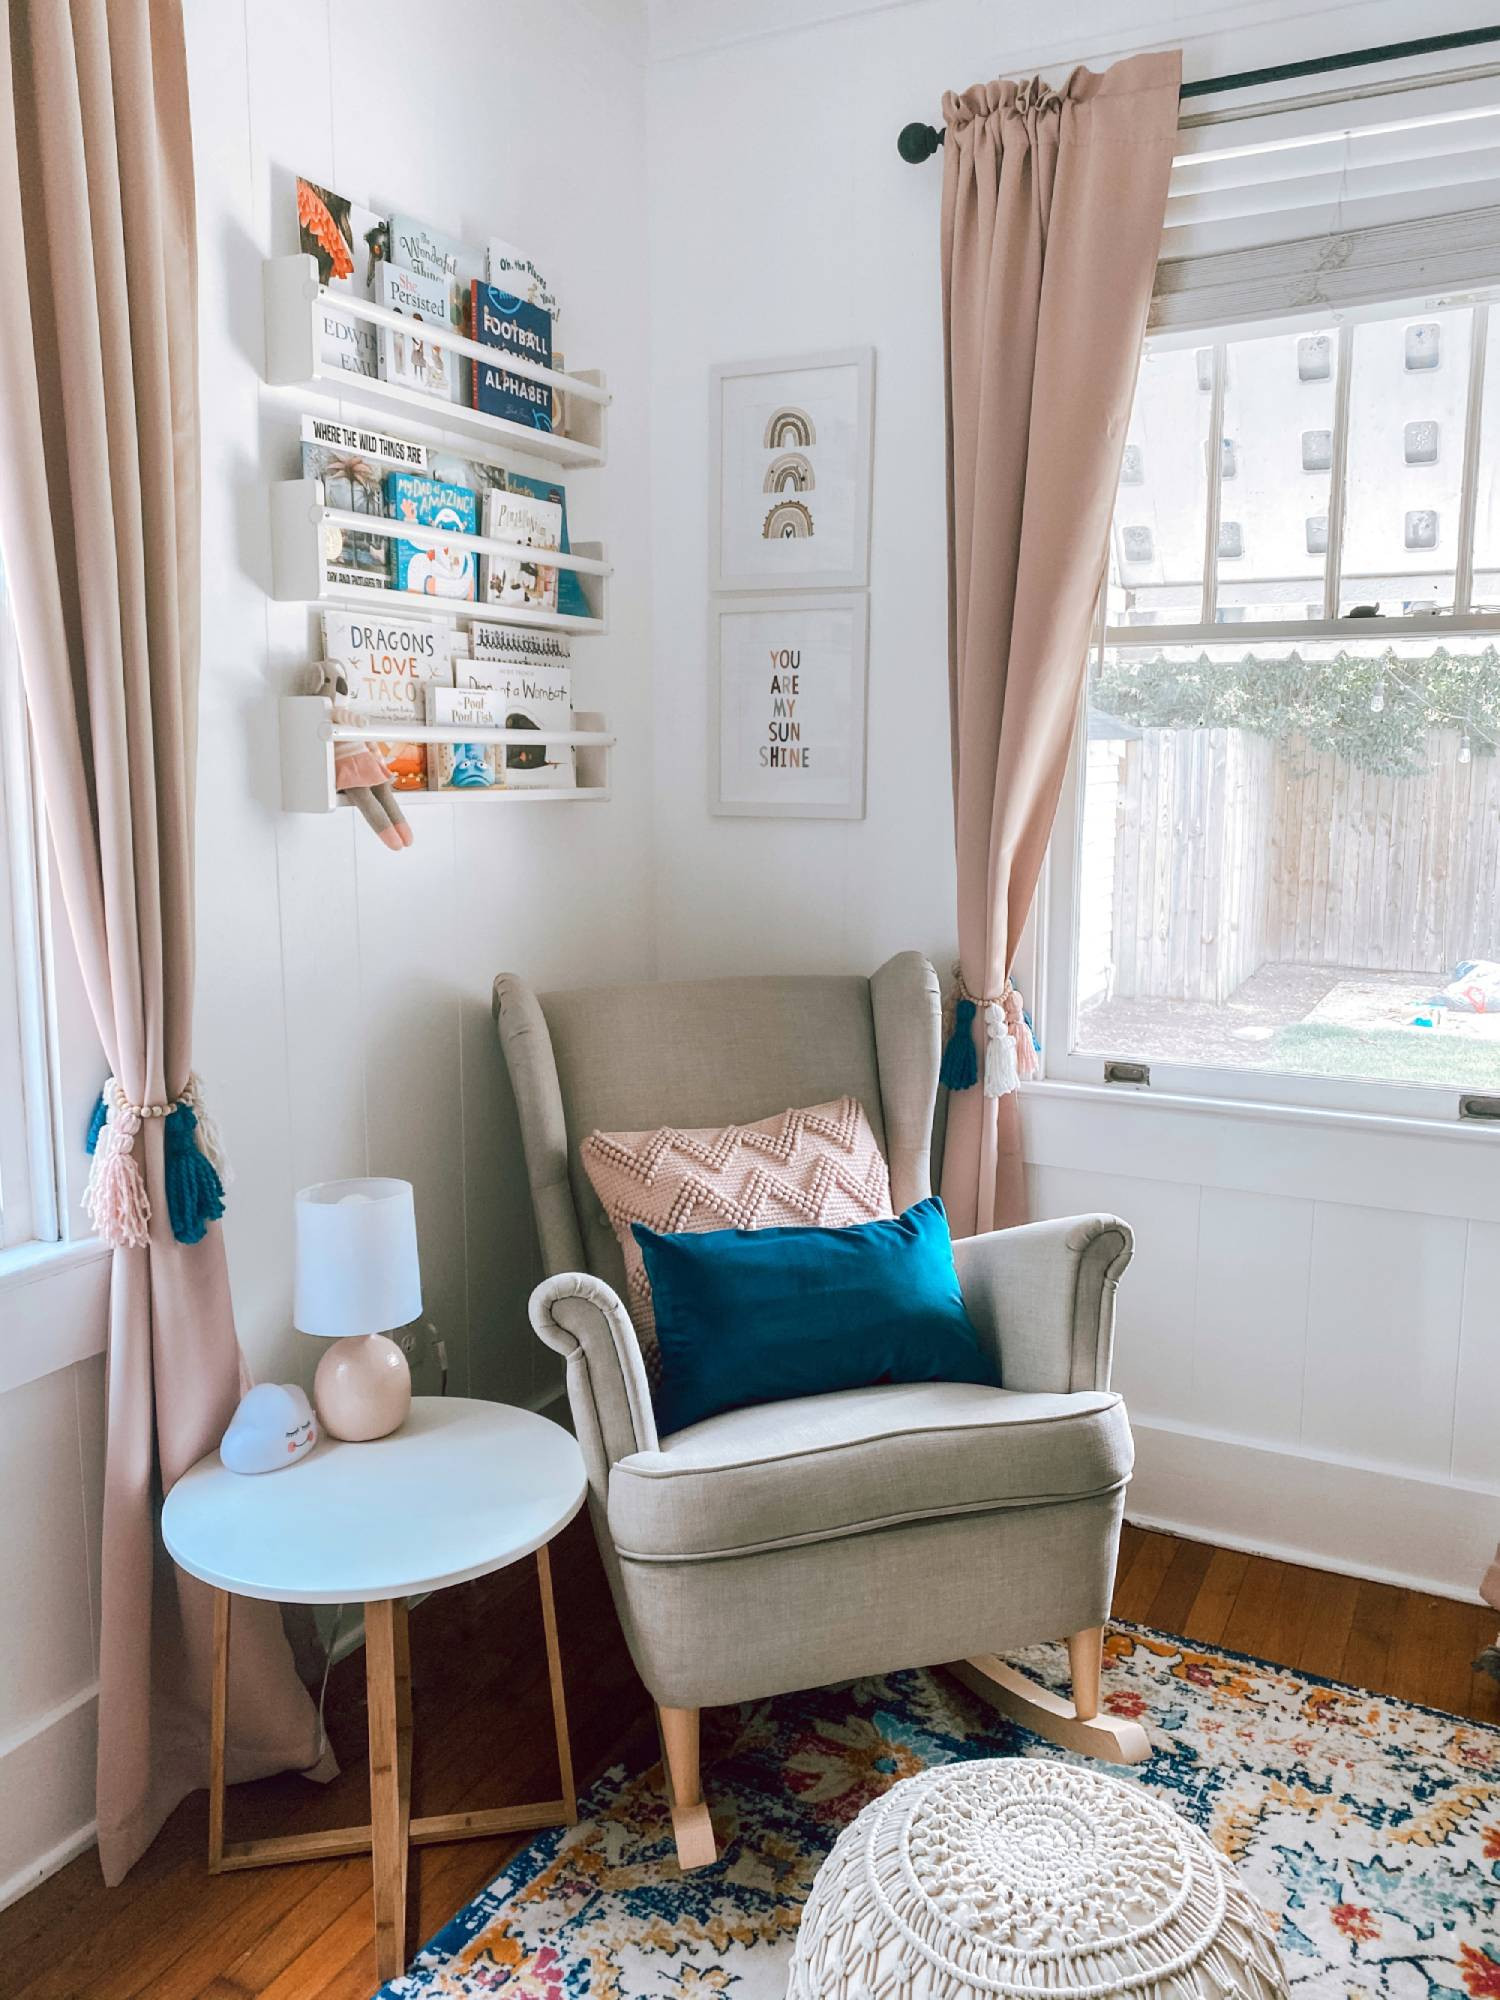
[811,1541]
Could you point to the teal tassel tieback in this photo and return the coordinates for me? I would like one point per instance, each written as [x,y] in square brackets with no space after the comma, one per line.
[97,1122]
[960,1067]
[195,1194]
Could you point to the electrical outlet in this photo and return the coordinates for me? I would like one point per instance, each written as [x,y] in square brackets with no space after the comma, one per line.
[415,1342]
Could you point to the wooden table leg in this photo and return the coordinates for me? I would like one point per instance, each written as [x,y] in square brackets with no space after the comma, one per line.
[554,1671]
[402,1653]
[218,1712]
[388,1809]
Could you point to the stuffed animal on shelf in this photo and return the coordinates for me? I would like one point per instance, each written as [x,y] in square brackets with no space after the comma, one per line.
[273,1426]
[357,771]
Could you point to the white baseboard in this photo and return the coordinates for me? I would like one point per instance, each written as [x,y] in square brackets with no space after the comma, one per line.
[1359,1520]
[50,1765]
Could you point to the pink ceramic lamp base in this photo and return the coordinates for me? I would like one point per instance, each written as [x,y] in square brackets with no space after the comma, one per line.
[362,1388]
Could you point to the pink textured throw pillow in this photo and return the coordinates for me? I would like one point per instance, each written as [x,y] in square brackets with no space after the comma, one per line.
[819,1167]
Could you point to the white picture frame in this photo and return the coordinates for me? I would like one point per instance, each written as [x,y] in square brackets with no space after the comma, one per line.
[788,686]
[789,477]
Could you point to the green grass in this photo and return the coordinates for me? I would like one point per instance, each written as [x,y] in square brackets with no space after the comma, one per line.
[1395,1055]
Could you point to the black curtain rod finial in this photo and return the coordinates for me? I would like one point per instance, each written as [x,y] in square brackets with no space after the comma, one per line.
[918,143]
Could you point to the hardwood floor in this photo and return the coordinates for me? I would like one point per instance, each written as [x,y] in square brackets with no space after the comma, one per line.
[483,1737]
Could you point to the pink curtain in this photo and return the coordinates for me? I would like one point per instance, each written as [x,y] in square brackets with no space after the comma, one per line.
[1053,203]
[99,513]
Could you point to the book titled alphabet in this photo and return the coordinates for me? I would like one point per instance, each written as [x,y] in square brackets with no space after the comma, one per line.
[512,326]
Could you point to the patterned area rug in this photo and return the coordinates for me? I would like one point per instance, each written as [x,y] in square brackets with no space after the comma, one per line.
[1369,1829]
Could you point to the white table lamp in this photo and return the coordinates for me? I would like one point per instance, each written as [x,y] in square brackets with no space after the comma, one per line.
[357,1277]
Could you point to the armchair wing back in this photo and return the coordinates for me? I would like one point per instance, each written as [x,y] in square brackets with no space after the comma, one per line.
[709,1052]
[830,1536]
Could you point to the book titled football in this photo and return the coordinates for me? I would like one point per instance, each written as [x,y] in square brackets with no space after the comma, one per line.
[389,664]
[352,463]
[462,765]
[521,581]
[513,326]
[536,698]
[349,244]
[442,569]
[408,355]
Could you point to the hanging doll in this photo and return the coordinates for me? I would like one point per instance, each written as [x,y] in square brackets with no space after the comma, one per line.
[358,772]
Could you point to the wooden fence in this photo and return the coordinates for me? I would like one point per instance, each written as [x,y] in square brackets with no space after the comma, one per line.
[1231,852]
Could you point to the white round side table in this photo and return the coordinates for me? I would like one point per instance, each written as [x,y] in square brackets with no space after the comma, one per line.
[1015,1876]
[463,1488]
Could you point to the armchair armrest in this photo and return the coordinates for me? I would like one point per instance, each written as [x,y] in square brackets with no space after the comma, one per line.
[583,1320]
[1042,1298]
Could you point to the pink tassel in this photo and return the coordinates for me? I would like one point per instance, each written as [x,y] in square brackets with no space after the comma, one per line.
[1027,1065]
[115,1197]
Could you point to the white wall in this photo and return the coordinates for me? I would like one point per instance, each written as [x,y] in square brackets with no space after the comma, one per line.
[343,1020]
[1281,1299]
[1307,1337]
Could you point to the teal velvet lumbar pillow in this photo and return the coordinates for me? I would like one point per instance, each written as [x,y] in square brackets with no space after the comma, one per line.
[759,1315]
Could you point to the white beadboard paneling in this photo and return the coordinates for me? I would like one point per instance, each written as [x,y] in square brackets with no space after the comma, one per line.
[47,1637]
[1476,1407]
[408,918]
[1154,1316]
[1250,1317]
[1385,1297]
[88,1379]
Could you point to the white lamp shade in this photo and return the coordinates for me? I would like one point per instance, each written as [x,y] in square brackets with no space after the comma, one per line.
[357,1266]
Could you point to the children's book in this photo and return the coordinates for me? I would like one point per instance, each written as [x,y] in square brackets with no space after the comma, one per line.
[350,244]
[352,463]
[407,355]
[515,327]
[463,766]
[511,270]
[518,646]
[521,581]
[431,254]
[389,663]
[526,697]
[571,600]
[444,569]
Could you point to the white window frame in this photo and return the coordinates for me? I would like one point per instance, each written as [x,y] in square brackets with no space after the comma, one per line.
[30,1208]
[1244,306]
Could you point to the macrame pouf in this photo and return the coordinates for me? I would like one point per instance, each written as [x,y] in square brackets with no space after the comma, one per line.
[1015,1876]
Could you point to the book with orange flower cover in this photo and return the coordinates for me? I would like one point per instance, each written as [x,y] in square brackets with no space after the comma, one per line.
[349,243]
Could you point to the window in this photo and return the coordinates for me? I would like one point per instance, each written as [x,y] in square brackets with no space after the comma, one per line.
[1277,873]
[28,1185]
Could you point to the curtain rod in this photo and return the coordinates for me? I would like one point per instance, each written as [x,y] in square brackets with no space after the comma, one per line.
[920,142]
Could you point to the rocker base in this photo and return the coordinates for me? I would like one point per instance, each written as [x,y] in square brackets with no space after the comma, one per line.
[1110,1738]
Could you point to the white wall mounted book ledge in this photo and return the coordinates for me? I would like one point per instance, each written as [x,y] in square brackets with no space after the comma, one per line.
[295,305]
[309,732]
[299,541]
